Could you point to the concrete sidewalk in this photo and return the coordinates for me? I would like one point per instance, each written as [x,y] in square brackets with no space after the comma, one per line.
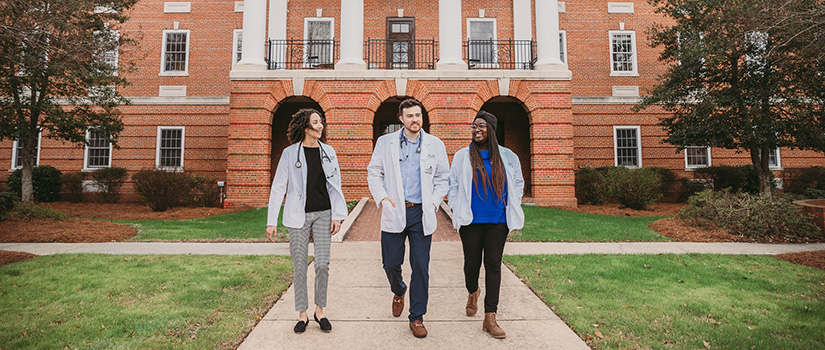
[359,302]
[512,248]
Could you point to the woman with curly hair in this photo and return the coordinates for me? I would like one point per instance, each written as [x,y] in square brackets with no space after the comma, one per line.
[309,177]
[486,186]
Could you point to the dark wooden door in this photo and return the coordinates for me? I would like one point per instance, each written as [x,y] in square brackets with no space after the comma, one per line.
[400,51]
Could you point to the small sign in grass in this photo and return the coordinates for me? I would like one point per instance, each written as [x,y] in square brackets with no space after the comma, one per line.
[681,301]
[137,302]
[554,225]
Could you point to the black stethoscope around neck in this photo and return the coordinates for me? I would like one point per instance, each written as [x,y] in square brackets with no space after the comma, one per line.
[403,141]
[323,155]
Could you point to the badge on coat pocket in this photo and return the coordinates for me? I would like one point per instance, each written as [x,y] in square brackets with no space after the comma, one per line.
[428,170]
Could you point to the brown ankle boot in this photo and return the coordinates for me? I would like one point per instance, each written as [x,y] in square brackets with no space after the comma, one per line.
[492,327]
[472,302]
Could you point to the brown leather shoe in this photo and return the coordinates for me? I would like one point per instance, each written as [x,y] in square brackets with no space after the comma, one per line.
[472,303]
[491,326]
[418,329]
[398,304]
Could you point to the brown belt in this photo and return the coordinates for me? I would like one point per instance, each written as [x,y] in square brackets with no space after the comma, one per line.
[408,204]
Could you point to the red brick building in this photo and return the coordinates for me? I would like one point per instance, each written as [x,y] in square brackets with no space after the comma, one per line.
[218,80]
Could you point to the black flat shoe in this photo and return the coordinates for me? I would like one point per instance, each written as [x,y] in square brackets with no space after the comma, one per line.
[300,327]
[324,323]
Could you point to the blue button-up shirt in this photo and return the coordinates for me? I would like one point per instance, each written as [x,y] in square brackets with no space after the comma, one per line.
[411,168]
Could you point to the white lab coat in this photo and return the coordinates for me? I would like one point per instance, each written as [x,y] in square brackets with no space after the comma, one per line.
[290,180]
[461,188]
[384,178]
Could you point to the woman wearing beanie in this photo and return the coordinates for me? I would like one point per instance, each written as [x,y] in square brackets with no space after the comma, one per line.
[309,177]
[486,186]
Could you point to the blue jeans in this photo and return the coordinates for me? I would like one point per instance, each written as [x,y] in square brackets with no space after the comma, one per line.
[392,256]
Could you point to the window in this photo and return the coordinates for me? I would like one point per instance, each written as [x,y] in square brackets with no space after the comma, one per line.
[318,33]
[757,48]
[98,151]
[110,57]
[17,151]
[697,157]
[175,54]
[563,46]
[237,41]
[481,37]
[627,146]
[623,53]
[170,147]
[774,161]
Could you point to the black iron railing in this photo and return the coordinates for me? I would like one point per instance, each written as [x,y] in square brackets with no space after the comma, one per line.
[401,54]
[302,54]
[500,54]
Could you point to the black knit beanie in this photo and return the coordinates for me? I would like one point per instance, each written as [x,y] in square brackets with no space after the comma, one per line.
[489,118]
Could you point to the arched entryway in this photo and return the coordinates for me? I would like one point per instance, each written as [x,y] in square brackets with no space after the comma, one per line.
[386,118]
[513,132]
[280,124]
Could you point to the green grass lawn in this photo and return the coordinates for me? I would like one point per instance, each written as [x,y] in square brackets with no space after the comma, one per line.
[681,301]
[555,225]
[137,302]
[247,225]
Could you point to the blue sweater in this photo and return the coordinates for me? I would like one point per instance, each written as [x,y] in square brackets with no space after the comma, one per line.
[486,209]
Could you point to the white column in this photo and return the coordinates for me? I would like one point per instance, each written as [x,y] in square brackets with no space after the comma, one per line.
[547,34]
[522,20]
[352,36]
[449,36]
[277,26]
[254,36]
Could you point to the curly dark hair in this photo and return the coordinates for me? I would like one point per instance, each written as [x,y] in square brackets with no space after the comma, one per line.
[300,122]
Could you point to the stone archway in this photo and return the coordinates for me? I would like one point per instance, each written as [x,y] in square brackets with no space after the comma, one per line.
[386,118]
[280,124]
[513,132]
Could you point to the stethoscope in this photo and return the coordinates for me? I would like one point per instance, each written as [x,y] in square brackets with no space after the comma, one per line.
[323,155]
[404,142]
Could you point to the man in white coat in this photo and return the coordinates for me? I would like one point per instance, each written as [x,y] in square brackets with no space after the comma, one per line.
[408,178]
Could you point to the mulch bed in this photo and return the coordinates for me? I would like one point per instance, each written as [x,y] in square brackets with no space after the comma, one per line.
[136,211]
[612,209]
[65,231]
[7,257]
[815,259]
[89,231]
[682,232]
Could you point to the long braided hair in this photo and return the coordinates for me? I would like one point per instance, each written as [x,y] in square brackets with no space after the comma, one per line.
[496,165]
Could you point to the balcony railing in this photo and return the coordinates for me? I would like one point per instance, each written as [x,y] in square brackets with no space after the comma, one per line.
[401,54]
[500,54]
[302,54]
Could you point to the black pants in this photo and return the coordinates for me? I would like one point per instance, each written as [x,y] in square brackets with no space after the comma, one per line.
[487,240]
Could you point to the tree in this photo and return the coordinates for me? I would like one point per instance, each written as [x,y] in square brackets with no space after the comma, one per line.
[58,72]
[742,74]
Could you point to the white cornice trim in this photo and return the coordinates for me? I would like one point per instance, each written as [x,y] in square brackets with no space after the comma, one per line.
[179,100]
[607,100]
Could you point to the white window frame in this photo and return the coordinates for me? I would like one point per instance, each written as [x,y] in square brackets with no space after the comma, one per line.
[494,63]
[563,46]
[182,147]
[689,167]
[778,165]
[14,154]
[185,71]
[331,21]
[237,33]
[635,55]
[86,166]
[638,144]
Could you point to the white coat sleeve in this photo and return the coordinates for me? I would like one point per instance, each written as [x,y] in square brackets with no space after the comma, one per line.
[441,177]
[452,193]
[375,174]
[278,190]
[517,175]
[339,204]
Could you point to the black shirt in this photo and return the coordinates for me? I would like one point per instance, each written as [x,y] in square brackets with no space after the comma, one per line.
[316,186]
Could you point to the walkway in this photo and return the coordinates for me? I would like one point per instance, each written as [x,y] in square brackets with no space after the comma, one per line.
[367,227]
